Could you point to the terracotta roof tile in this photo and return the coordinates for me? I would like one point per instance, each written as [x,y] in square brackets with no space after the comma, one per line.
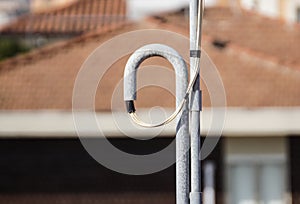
[260,35]
[45,79]
[79,17]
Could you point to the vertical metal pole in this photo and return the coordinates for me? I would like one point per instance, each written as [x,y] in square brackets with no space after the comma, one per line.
[182,148]
[209,193]
[182,155]
[195,106]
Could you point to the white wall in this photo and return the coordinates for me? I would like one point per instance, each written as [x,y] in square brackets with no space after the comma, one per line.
[271,8]
[248,4]
[267,7]
[291,10]
[140,8]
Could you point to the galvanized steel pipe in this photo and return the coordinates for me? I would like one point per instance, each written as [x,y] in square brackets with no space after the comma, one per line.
[182,130]
[195,100]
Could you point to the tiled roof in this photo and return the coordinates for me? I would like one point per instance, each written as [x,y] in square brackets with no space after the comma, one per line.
[79,17]
[271,39]
[45,79]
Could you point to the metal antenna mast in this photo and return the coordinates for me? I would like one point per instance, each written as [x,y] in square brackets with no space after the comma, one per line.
[196,11]
[184,94]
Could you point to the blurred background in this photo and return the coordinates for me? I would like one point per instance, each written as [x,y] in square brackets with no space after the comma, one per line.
[43,44]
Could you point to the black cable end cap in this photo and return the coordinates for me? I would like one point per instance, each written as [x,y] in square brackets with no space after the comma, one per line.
[130,106]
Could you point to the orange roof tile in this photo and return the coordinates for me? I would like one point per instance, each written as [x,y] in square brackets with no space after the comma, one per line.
[261,36]
[45,78]
[79,17]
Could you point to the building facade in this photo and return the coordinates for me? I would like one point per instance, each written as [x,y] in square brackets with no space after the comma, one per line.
[255,161]
[286,10]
